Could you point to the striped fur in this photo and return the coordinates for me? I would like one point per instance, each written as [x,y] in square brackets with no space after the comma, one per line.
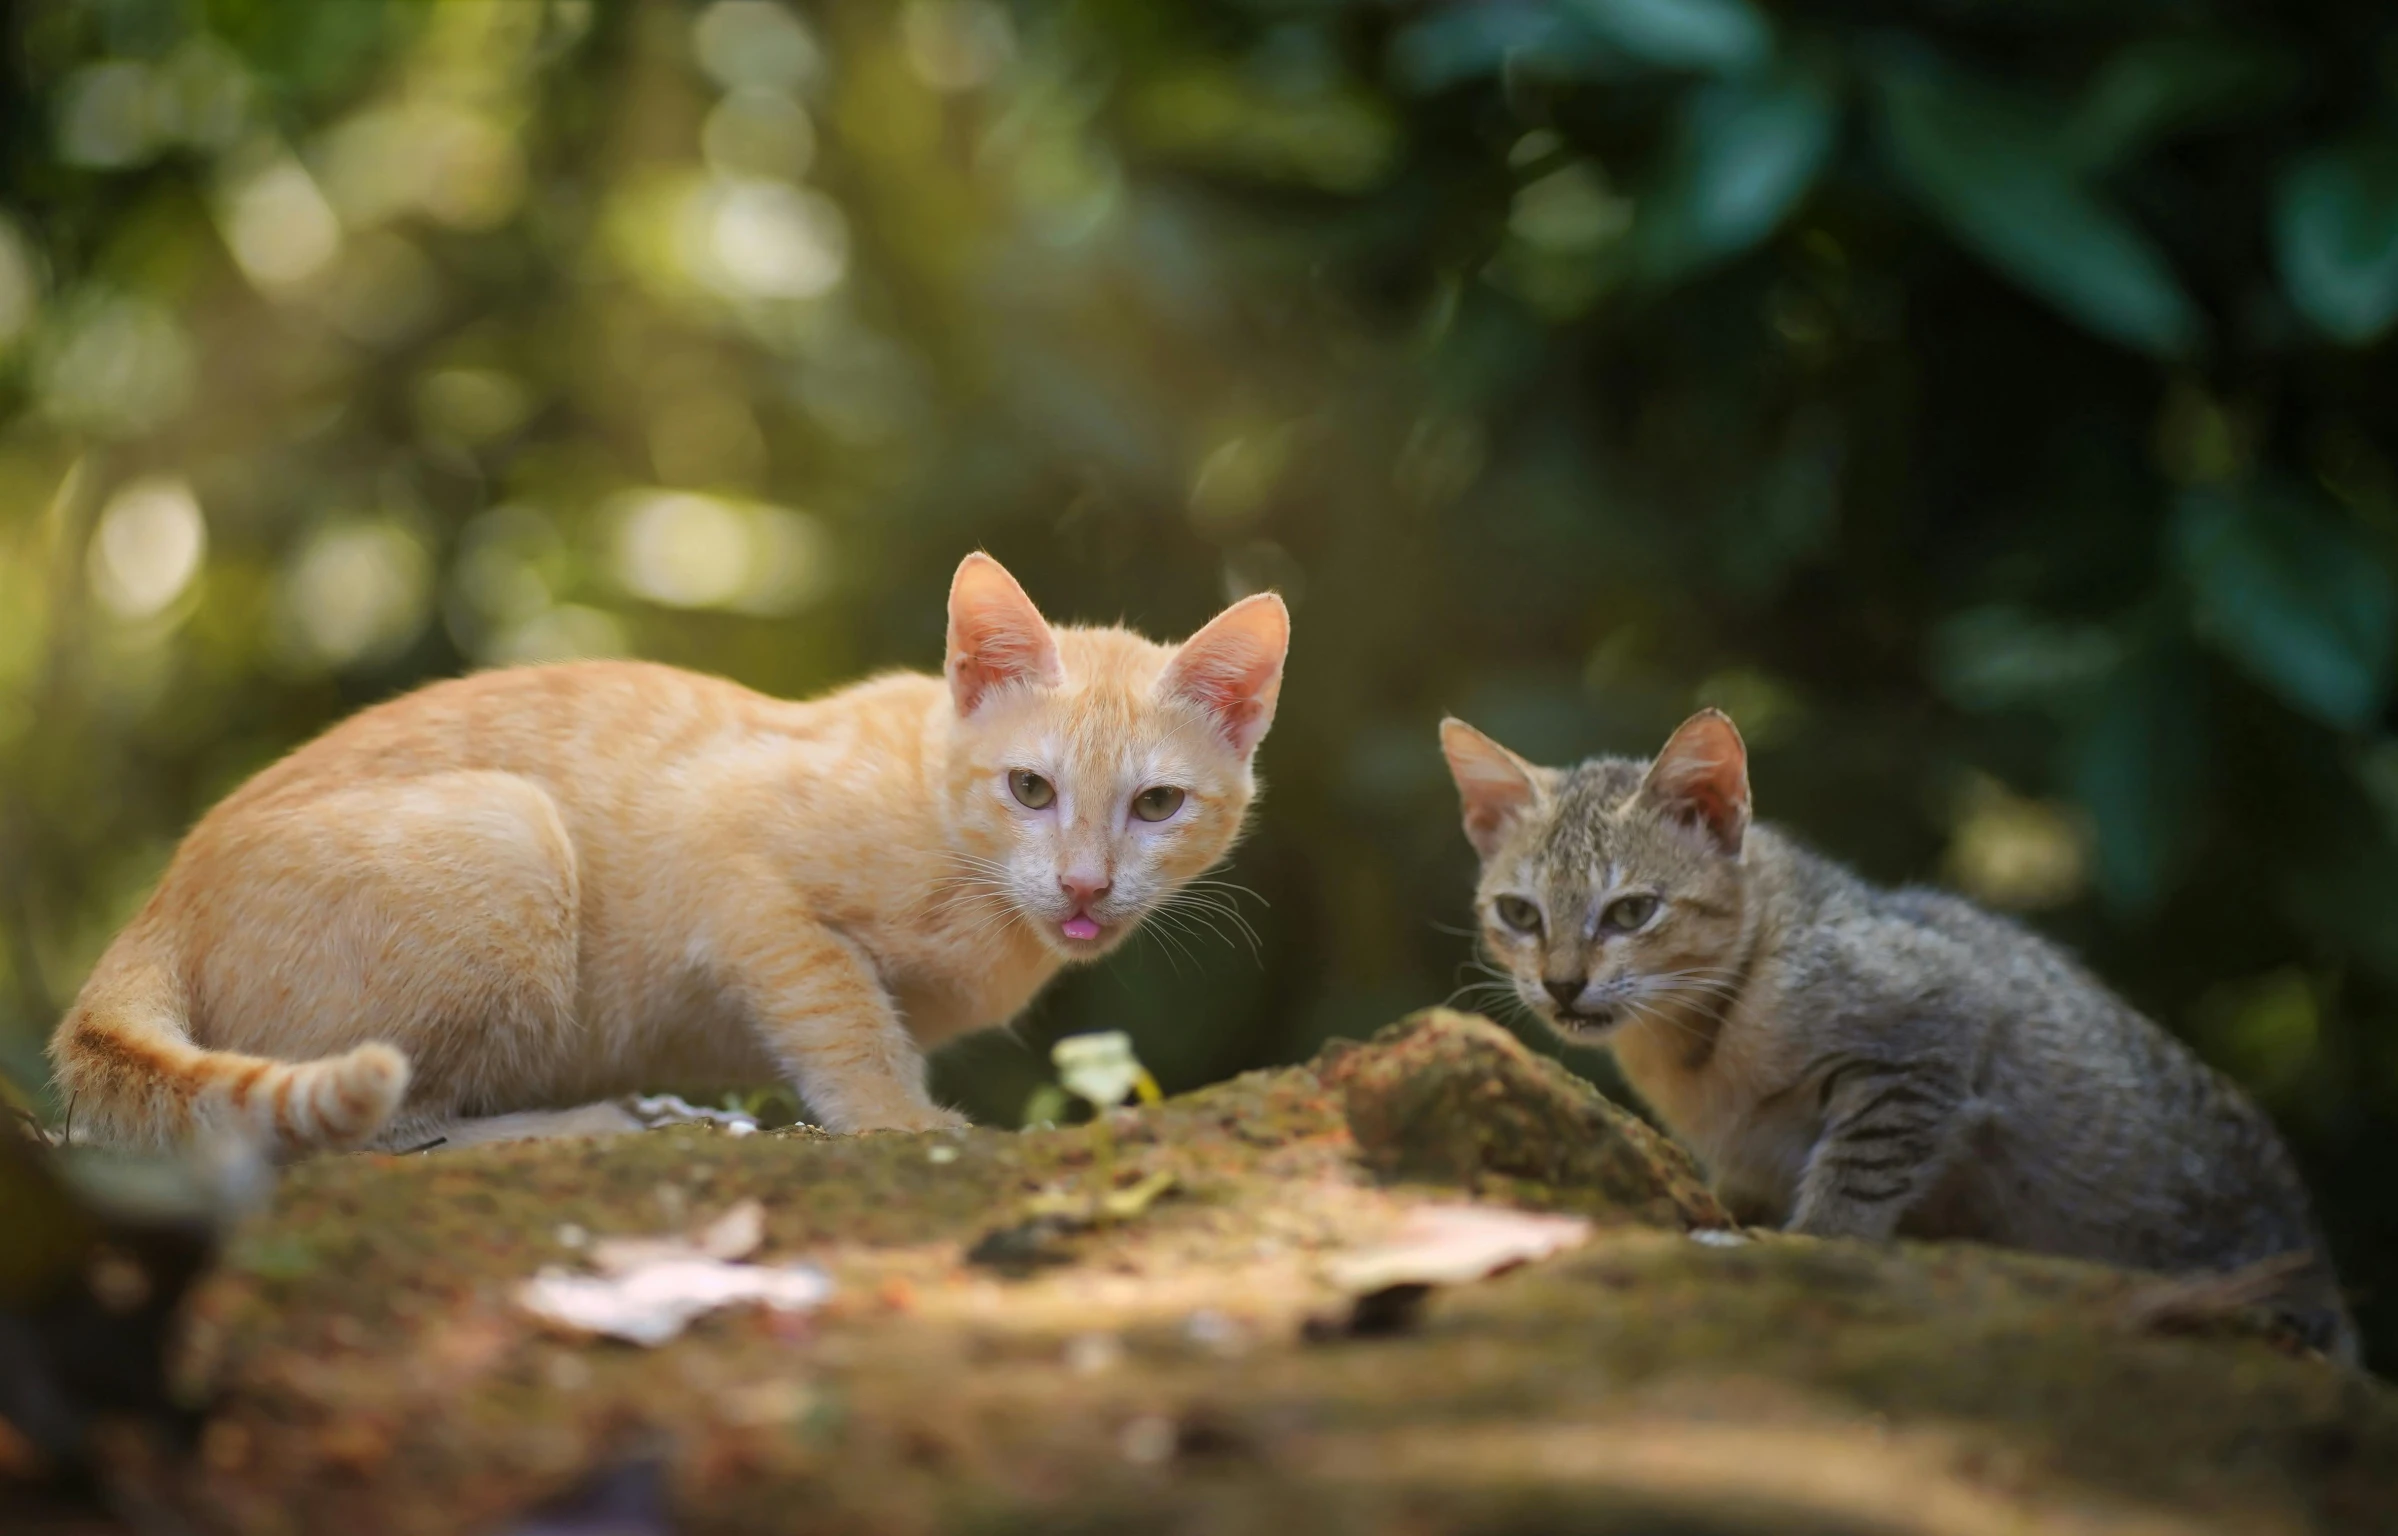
[538,887]
[1851,1061]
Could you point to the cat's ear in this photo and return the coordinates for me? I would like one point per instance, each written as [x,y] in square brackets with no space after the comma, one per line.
[1702,779]
[1233,668]
[1496,786]
[996,635]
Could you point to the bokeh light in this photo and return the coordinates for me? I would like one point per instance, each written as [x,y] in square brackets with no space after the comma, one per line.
[355,591]
[148,547]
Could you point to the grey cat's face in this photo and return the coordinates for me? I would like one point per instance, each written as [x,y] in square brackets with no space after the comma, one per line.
[1610,892]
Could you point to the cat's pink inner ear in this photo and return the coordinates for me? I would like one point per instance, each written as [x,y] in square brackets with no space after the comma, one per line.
[996,635]
[1494,784]
[1233,668]
[1702,777]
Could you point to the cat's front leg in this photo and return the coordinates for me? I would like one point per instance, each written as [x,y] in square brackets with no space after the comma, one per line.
[1890,1132]
[823,1013]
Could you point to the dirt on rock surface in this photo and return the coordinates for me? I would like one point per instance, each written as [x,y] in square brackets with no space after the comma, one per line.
[1199,1367]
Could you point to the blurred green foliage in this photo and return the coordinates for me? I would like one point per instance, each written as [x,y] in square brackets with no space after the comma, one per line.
[1990,404]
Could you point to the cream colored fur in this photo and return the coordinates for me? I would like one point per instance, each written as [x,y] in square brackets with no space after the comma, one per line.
[538,887]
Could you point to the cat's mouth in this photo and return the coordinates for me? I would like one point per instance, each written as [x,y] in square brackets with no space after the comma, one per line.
[1588,1023]
[1084,932]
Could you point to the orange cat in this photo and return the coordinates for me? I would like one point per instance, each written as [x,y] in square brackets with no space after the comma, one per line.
[545,885]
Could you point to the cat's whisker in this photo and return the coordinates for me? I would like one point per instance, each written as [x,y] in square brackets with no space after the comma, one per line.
[1169,939]
[1645,1012]
[1196,908]
[1234,886]
[1208,913]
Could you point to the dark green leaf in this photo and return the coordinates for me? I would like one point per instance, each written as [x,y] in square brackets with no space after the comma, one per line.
[1993,172]
[2291,592]
[1743,154]
[2002,658]
[1716,35]
[2139,766]
[1463,43]
[2335,230]
[2161,86]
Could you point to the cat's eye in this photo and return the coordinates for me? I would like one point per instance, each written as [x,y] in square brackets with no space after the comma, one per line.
[1627,913]
[1032,791]
[1157,802]
[1517,913]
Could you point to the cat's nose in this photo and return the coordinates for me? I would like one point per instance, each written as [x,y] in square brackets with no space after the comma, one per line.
[1084,888]
[1563,988]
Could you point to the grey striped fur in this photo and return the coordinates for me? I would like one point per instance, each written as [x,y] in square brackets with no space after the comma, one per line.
[1861,1062]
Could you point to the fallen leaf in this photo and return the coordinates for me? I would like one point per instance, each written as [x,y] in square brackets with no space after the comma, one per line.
[734,1235]
[648,1289]
[1454,1245]
[651,1303]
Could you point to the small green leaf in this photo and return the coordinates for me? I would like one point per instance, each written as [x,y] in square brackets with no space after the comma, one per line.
[2289,590]
[2335,231]
[1098,1068]
[1720,36]
[1744,153]
[1991,170]
[1045,1107]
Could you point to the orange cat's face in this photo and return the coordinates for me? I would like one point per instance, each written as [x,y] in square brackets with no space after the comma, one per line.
[1093,773]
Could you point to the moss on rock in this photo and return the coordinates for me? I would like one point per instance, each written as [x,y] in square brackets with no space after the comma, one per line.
[1451,1098]
[370,1375]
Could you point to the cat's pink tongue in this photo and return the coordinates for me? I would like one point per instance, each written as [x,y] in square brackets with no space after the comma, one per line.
[1080,927]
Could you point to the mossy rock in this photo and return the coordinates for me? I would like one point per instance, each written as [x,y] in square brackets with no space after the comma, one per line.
[1451,1098]
[368,1373]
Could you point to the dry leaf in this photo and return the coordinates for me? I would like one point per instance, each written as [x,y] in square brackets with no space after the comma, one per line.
[1455,1244]
[653,1302]
[734,1235]
[650,1288]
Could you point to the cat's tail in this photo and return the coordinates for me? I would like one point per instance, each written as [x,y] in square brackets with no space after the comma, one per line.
[131,1073]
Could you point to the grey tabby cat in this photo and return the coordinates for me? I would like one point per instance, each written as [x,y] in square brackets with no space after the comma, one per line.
[1858,1062]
